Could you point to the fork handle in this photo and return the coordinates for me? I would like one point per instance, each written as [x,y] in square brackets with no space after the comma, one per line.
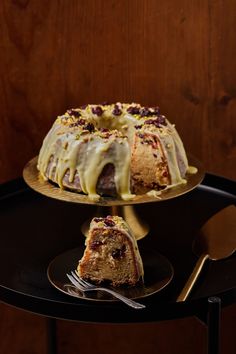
[129,302]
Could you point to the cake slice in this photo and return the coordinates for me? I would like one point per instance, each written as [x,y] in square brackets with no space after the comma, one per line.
[111,255]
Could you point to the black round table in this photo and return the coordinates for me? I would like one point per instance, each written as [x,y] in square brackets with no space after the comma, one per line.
[35,229]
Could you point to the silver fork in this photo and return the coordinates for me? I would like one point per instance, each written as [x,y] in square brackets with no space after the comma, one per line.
[84,286]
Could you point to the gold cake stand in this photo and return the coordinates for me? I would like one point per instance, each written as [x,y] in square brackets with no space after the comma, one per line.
[110,205]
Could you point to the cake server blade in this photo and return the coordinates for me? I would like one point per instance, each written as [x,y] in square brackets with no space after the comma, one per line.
[216,240]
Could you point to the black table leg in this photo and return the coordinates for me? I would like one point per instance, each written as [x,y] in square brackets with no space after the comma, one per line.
[214,312]
[51,336]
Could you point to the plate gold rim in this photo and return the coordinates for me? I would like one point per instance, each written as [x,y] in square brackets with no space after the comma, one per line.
[162,283]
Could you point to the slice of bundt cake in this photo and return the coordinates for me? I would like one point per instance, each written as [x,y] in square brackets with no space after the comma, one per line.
[111,255]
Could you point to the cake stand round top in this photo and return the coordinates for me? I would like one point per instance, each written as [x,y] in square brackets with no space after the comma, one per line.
[33,178]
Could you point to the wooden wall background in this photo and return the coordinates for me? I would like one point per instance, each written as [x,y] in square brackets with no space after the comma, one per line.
[60,54]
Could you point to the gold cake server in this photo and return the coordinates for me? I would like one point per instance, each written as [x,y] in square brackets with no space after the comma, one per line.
[216,240]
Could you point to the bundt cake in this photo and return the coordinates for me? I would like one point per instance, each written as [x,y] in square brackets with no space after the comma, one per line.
[111,254]
[115,150]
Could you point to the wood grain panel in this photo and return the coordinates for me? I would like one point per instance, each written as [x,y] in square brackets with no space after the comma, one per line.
[21,332]
[220,139]
[56,55]
[25,333]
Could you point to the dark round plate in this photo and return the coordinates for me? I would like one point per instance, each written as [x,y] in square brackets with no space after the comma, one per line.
[158,273]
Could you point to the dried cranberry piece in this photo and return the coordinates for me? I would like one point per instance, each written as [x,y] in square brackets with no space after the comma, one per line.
[109,222]
[97,110]
[81,122]
[97,219]
[160,120]
[95,244]
[119,253]
[89,127]
[156,110]
[138,126]
[149,112]
[73,112]
[78,123]
[133,110]
[116,111]
[145,112]
[150,121]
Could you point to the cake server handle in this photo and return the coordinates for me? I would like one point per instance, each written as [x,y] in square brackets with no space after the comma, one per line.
[193,278]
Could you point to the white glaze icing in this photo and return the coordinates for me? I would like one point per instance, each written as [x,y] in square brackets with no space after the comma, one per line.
[71,148]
